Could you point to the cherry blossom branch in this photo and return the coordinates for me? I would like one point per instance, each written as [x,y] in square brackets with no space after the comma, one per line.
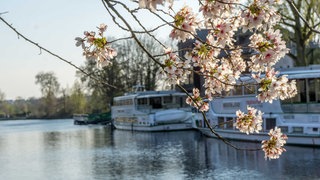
[120,39]
[132,33]
[212,129]
[51,53]
[218,59]
[140,24]
[125,29]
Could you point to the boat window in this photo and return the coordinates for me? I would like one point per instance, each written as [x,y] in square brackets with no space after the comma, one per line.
[221,122]
[142,101]
[301,96]
[307,99]
[284,129]
[155,102]
[129,102]
[315,129]
[312,90]
[123,102]
[167,99]
[270,123]
[317,83]
[249,89]
[117,103]
[181,100]
[226,93]
[298,130]
[301,85]
[237,91]
[184,103]
[229,123]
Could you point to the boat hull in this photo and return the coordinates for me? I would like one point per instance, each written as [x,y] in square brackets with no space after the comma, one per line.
[163,127]
[171,116]
[293,139]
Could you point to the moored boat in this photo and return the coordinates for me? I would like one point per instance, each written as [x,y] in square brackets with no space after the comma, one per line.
[80,119]
[152,111]
[298,117]
[95,118]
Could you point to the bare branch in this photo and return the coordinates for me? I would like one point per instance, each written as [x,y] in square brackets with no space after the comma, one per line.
[51,53]
[131,30]
[4,12]
[302,18]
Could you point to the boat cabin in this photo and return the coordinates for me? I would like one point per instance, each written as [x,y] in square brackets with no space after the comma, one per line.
[149,101]
[297,115]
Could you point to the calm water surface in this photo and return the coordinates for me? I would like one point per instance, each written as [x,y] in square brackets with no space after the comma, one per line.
[57,149]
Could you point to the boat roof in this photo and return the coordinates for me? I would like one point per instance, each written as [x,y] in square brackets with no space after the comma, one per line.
[161,94]
[146,94]
[312,71]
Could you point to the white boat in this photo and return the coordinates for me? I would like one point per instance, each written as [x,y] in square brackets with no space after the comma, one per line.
[152,111]
[80,119]
[298,117]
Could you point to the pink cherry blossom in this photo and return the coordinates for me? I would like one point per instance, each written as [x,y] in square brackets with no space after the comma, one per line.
[217,9]
[270,50]
[175,70]
[273,147]
[250,122]
[152,4]
[273,87]
[186,24]
[196,101]
[96,48]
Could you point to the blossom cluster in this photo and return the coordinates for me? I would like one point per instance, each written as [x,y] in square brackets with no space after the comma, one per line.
[270,49]
[175,70]
[186,23]
[250,122]
[152,4]
[217,9]
[196,101]
[273,147]
[96,47]
[220,74]
[260,15]
[273,87]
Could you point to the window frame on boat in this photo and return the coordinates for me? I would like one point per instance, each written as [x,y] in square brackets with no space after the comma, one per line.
[123,102]
[307,99]
[167,101]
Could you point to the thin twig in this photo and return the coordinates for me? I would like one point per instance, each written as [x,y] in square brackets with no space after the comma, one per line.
[109,5]
[302,18]
[51,53]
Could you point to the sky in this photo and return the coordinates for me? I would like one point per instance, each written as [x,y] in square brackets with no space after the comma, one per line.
[53,25]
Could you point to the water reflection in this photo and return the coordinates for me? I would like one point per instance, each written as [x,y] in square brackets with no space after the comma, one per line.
[164,155]
[296,163]
[60,150]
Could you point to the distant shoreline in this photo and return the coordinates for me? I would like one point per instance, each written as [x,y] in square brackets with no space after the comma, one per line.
[13,119]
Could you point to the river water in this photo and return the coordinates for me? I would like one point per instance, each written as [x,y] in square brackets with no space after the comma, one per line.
[57,149]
